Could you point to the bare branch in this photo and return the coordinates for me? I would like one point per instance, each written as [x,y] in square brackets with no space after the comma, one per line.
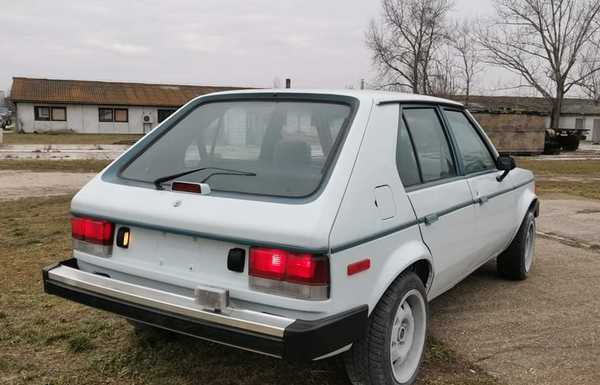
[405,41]
[544,41]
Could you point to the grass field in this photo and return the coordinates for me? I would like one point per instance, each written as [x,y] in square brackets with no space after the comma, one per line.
[67,138]
[574,177]
[47,340]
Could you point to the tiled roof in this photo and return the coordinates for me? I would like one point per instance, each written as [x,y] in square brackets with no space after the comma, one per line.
[106,93]
[527,105]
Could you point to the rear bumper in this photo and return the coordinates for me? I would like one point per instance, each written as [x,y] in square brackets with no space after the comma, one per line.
[281,337]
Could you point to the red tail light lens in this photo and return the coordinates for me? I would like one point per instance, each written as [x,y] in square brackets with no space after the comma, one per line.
[304,268]
[268,263]
[186,187]
[91,230]
[286,266]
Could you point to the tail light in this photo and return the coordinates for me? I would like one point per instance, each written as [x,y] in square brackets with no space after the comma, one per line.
[92,236]
[298,275]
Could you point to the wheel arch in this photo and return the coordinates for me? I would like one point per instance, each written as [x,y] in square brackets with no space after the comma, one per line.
[526,201]
[535,207]
[413,256]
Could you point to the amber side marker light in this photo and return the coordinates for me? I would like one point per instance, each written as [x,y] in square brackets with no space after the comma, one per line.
[123,237]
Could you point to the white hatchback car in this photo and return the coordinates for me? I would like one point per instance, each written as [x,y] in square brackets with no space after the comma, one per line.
[300,224]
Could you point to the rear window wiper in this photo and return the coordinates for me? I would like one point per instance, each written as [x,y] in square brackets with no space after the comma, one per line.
[223,171]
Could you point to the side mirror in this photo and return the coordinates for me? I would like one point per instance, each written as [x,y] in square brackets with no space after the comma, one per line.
[506,164]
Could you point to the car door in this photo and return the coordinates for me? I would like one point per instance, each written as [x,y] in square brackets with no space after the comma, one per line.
[440,197]
[495,208]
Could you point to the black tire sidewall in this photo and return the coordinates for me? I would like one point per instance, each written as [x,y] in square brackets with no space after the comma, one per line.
[529,218]
[511,263]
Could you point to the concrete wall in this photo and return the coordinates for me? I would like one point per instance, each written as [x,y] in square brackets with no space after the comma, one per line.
[85,119]
[569,122]
[514,133]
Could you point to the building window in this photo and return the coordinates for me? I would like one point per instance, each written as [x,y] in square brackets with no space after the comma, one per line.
[119,115]
[106,114]
[164,113]
[42,113]
[58,114]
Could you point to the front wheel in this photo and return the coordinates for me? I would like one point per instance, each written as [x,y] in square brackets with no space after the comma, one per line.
[516,261]
[392,349]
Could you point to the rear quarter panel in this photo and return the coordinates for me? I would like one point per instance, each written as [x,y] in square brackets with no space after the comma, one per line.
[360,232]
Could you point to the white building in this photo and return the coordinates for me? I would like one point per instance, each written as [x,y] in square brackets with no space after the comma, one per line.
[44,105]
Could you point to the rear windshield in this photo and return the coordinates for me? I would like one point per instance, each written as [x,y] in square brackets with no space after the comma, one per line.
[278,148]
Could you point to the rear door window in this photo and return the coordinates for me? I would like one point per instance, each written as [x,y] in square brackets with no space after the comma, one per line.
[431,143]
[289,145]
[406,159]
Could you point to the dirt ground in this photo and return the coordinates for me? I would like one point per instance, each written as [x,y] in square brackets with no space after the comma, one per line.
[576,220]
[546,329]
[16,184]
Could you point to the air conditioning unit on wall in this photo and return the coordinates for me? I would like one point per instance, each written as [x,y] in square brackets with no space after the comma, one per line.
[147,118]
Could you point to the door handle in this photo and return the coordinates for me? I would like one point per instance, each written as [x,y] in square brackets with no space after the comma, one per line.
[431,218]
[482,200]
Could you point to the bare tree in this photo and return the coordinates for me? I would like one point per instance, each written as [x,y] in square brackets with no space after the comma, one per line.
[405,41]
[463,40]
[442,79]
[590,84]
[543,41]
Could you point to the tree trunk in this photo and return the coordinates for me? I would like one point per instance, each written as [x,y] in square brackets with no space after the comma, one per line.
[556,112]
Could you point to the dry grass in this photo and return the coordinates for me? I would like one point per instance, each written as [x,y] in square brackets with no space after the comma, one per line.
[574,177]
[560,167]
[48,340]
[54,165]
[70,138]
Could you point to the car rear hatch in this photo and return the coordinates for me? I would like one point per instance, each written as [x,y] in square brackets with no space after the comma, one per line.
[180,240]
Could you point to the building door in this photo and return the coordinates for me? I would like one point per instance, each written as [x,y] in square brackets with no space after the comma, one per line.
[596,132]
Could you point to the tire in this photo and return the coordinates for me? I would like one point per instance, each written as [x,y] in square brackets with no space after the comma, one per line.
[397,324]
[516,262]
[569,143]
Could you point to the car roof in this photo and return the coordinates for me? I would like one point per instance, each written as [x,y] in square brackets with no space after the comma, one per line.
[378,97]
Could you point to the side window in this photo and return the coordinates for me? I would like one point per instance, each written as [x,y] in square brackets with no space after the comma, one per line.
[475,155]
[431,144]
[405,158]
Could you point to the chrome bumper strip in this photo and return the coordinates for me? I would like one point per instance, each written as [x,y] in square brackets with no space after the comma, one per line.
[247,320]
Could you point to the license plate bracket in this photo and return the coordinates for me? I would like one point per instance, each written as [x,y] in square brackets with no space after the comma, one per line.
[212,298]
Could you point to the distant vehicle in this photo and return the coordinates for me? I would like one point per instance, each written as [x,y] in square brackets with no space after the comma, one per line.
[5,115]
[300,225]
[563,139]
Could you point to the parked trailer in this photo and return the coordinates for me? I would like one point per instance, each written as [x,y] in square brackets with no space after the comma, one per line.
[563,139]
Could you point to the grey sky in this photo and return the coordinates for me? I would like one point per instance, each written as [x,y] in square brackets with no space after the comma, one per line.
[318,43]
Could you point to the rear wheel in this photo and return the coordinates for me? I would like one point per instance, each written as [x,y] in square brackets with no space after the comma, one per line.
[392,349]
[516,262]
